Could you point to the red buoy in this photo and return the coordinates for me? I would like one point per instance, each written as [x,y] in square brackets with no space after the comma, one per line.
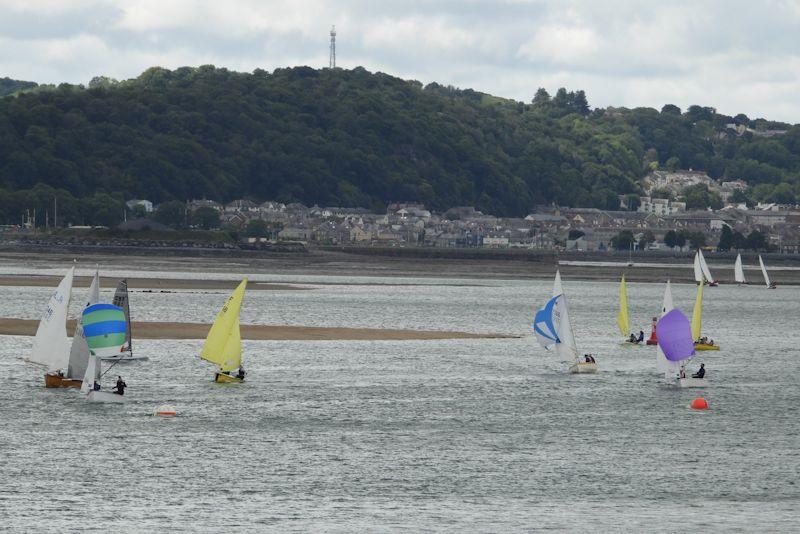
[653,339]
[699,404]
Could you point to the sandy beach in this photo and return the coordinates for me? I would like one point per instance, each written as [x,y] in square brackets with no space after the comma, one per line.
[153,330]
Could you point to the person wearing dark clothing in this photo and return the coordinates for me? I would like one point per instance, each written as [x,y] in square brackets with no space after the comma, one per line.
[119,389]
[96,386]
[241,373]
[700,372]
[632,339]
[641,336]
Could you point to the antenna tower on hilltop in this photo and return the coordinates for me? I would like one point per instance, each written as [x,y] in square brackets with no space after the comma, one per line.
[332,60]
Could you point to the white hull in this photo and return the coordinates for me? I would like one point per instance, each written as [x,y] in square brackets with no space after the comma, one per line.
[105,396]
[123,357]
[691,382]
[581,368]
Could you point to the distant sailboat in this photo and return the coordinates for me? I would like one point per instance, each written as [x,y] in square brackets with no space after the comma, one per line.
[675,347]
[223,346]
[105,333]
[552,327]
[697,323]
[701,271]
[623,318]
[738,271]
[121,300]
[51,345]
[769,284]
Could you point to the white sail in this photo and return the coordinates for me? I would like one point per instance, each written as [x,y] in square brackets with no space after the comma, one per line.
[698,271]
[567,348]
[738,271]
[51,344]
[92,374]
[704,268]
[764,271]
[79,352]
[669,368]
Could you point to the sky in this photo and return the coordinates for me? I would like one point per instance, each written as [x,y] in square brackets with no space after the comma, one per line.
[737,56]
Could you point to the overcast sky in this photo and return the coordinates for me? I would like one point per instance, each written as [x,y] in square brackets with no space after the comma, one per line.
[738,56]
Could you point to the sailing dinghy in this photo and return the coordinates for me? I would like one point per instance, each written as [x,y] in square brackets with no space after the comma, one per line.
[223,346]
[623,318]
[51,346]
[700,342]
[121,300]
[675,348]
[552,327]
[769,284]
[104,331]
[738,271]
[701,272]
[79,351]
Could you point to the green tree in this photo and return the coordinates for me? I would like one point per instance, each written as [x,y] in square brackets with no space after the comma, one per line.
[171,213]
[623,240]
[541,98]
[671,239]
[632,202]
[206,218]
[257,228]
[756,241]
[575,234]
[646,238]
[726,239]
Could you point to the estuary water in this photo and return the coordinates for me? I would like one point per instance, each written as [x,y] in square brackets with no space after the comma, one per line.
[442,435]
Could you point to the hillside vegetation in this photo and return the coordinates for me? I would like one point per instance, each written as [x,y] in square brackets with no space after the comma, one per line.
[354,138]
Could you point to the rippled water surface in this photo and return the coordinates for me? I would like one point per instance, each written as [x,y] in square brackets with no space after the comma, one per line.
[461,435]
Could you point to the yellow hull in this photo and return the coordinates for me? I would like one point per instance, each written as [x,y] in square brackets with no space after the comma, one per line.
[703,346]
[227,379]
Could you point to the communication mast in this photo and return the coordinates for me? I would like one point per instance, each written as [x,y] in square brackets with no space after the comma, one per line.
[332,60]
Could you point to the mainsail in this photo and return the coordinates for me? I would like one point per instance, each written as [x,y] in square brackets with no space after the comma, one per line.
[697,313]
[623,321]
[704,267]
[121,301]
[698,271]
[223,345]
[51,345]
[764,271]
[79,352]
[738,270]
[567,347]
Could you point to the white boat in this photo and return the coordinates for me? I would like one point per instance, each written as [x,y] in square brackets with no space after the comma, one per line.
[738,271]
[552,328]
[104,331]
[121,300]
[51,346]
[675,345]
[769,284]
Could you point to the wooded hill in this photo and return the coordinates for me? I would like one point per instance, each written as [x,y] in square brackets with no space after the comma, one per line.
[355,138]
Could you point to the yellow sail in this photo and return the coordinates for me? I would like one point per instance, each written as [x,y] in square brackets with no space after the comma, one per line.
[697,314]
[223,344]
[623,321]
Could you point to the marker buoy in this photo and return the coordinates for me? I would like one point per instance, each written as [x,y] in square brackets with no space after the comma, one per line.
[699,404]
[165,410]
[653,338]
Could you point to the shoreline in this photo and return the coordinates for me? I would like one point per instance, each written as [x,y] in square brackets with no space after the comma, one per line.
[165,330]
[155,285]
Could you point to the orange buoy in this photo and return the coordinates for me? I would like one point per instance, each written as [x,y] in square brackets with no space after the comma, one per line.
[165,410]
[699,404]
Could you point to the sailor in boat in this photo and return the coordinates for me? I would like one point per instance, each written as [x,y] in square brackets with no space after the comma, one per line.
[641,337]
[96,386]
[119,389]
[589,358]
[700,372]
[633,339]
[241,373]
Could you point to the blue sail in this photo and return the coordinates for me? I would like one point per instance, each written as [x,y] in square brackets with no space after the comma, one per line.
[543,326]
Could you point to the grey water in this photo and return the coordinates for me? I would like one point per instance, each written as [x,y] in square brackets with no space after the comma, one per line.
[443,435]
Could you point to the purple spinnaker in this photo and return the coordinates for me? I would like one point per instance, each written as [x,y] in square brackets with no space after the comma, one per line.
[675,336]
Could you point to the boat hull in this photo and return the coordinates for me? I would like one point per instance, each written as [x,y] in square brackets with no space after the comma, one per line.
[689,382]
[54,381]
[652,342]
[105,397]
[581,368]
[124,357]
[222,378]
[704,346]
